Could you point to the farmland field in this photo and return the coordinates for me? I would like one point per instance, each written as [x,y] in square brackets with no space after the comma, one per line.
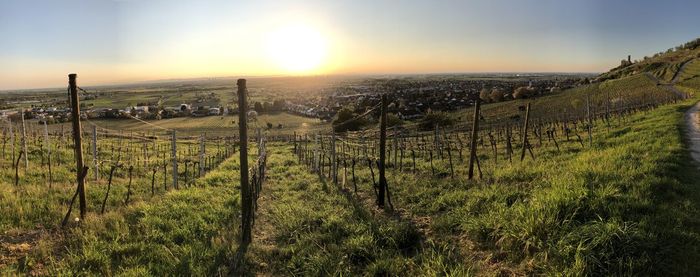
[211,125]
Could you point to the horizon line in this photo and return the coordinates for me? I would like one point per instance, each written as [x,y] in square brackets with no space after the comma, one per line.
[166,80]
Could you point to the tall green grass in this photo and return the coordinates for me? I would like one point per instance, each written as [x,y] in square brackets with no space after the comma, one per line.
[191,231]
[626,206]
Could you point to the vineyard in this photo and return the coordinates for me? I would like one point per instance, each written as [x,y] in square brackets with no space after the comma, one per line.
[517,187]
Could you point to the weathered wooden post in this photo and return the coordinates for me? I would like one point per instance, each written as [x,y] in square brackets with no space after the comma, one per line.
[94,154]
[475,132]
[588,115]
[12,140]
[78,142]
[201,154]
[173,144]
[382,154]
[525,142]
[395,144]
[24,141]
[334,166]
[48,152]
[246,197]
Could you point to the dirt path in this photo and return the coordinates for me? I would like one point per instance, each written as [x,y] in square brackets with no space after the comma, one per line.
[692,123]
[668,87]
[680,70]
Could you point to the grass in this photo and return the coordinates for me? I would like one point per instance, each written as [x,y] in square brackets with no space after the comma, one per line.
[317,229]
[210,125]
[572,103]
[190,231]
[691,75]
[628,205]
[36,204]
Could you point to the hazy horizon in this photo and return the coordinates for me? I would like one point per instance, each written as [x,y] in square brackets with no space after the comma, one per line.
[349,75]
[120,42]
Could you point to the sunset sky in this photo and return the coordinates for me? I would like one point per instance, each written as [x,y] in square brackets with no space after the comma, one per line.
[124,41]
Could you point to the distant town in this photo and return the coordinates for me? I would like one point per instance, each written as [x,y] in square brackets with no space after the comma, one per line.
[410,99]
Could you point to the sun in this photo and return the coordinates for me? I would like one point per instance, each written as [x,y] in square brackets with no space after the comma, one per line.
[297,48]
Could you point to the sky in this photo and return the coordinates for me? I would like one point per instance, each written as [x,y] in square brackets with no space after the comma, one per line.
[119,41]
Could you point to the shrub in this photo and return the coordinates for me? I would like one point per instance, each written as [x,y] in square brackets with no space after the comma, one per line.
[435,118]
[346,121]
[523,92]
[496,95]
[484,95]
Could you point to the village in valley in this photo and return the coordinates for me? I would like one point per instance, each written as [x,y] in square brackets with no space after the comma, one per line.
[411,98]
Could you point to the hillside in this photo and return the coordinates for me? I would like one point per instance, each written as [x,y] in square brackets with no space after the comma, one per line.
[662,65]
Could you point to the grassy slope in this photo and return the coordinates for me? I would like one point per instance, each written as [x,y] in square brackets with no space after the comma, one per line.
[663,66]
[189,231]
[317,229]
[563,213]
[571,102]
[33,205]
[627,206]
[690,77]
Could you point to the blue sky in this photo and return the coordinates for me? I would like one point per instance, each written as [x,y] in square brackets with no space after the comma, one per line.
[129,40]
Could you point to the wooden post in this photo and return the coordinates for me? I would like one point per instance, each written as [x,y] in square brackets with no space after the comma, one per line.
[382,154]
[246,197]
[472,144]
[395,144]
[94,154]
[78,142]
[201,154]
[12,140]
[334,166]
[48,152]
[24,141]
[588,115]
[525,142]
[173,144]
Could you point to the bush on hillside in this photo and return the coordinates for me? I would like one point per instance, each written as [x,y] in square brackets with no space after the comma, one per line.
[435,118]
[496,95]
[523,92]
[346,121]
[485,95]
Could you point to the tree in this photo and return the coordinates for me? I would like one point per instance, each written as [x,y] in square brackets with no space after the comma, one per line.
[269,125]
[496,95]
[435,118]
[346,121]
[522,92]
[258,107]
[484,94]
[267,106]
[279,105]
[392,120]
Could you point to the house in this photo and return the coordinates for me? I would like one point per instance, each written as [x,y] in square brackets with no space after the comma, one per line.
[214,111]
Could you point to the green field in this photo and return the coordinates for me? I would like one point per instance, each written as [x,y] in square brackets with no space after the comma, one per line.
[209,125]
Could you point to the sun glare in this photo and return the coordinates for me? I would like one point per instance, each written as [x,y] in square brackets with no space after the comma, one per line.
[297,49]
